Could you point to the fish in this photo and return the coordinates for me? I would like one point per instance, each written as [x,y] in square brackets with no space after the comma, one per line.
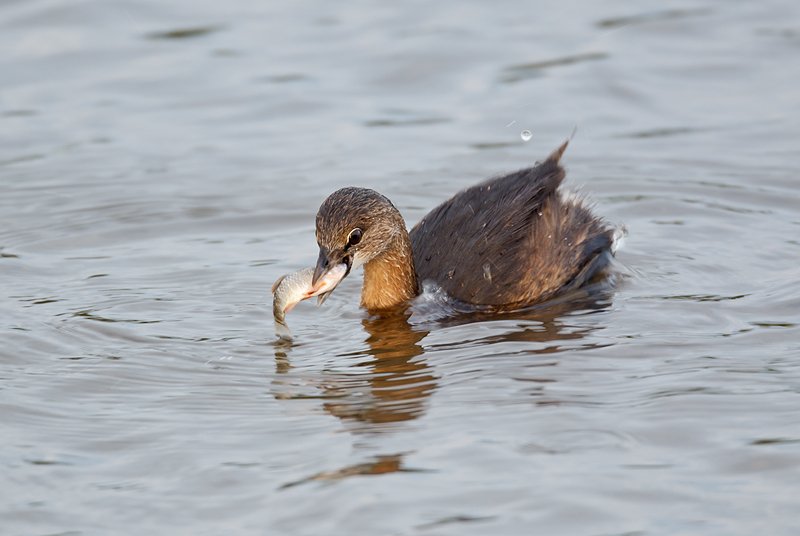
[290,289]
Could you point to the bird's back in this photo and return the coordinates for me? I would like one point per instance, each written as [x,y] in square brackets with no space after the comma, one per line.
[510,241]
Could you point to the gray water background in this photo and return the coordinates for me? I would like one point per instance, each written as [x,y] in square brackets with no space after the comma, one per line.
[161,164]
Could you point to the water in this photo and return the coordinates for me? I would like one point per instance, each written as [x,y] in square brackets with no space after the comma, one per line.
[161,165]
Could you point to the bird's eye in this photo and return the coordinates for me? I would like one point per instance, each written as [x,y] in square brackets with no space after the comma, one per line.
[354,238]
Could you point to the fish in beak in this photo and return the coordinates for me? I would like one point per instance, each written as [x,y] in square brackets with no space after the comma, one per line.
[291,289]
[332,267]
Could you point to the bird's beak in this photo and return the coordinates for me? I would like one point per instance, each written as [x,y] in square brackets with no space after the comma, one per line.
[328,273]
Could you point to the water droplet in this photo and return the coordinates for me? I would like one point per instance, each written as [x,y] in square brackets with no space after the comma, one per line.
[525,135]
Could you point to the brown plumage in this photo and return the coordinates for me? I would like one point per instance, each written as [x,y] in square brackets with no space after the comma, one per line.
[506,243]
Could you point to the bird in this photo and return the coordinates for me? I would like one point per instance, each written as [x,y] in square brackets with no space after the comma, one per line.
[504,244]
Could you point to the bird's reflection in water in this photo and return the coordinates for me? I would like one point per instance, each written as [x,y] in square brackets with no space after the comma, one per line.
[544,323]
[399,381]
[394,387]
[377,465]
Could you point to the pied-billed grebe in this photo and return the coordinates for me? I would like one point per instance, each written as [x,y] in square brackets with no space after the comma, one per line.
[504,244]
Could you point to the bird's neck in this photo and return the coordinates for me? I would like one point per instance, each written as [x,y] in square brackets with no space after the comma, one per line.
[390,278]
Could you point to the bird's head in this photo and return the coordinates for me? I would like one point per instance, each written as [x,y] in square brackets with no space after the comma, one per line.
[354,225]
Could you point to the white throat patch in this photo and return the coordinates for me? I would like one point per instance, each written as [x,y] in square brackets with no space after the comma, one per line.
[358,261]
